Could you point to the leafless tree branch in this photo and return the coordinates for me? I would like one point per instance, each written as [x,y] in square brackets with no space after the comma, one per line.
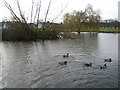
[21,13]
[32,10]
[39,8]
[11,11]
[60,12]
[47,10]
[36,12]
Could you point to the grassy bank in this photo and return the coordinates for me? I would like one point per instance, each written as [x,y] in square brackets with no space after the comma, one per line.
[102,30]
[26,33]
[109,30]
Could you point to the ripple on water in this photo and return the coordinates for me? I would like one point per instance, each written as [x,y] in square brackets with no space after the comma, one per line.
[36,64]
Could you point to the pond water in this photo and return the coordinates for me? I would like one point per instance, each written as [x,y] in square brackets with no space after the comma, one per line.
[36,64]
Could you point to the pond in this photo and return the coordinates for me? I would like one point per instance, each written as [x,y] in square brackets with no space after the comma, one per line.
[36,64]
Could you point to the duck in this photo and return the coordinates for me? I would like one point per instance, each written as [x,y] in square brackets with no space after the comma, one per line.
[88,64]
[63,63]
[64,56]
[103,67]
[108,60]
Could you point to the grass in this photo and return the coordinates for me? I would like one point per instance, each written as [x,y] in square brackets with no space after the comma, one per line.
[103,30]
[109,30]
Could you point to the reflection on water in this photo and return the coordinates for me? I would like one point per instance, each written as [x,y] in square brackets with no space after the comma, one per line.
[36,64]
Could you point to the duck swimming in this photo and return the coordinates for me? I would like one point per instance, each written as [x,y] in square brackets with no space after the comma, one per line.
[88,64]
[64,56]
[103,67]
[63,63]
[108,60]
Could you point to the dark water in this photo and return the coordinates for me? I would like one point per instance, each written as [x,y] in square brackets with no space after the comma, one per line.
[36,64]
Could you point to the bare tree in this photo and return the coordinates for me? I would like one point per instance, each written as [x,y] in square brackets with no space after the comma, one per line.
[34,14]
[11,11]
[47,10]
[39,9]
[21,13]
[32,10]
[60,12]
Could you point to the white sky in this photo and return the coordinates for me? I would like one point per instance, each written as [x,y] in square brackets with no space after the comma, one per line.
[119,11]
[108,8]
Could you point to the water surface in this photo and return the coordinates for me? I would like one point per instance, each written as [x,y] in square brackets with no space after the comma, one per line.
[36,64]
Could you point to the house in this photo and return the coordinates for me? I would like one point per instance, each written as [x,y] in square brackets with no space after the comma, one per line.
[40,26]
[53,25]
[35,26]
[109,23]
[5,25]
[32,25]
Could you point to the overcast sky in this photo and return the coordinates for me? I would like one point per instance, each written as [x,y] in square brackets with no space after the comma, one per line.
[119,11]
[108,8]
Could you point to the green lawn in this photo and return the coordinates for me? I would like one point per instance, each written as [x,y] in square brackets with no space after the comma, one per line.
[104,30]
[109,30]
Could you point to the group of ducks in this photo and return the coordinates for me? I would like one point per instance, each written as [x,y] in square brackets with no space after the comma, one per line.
[86,64]
[65,62]
[105,66]
[102,67]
